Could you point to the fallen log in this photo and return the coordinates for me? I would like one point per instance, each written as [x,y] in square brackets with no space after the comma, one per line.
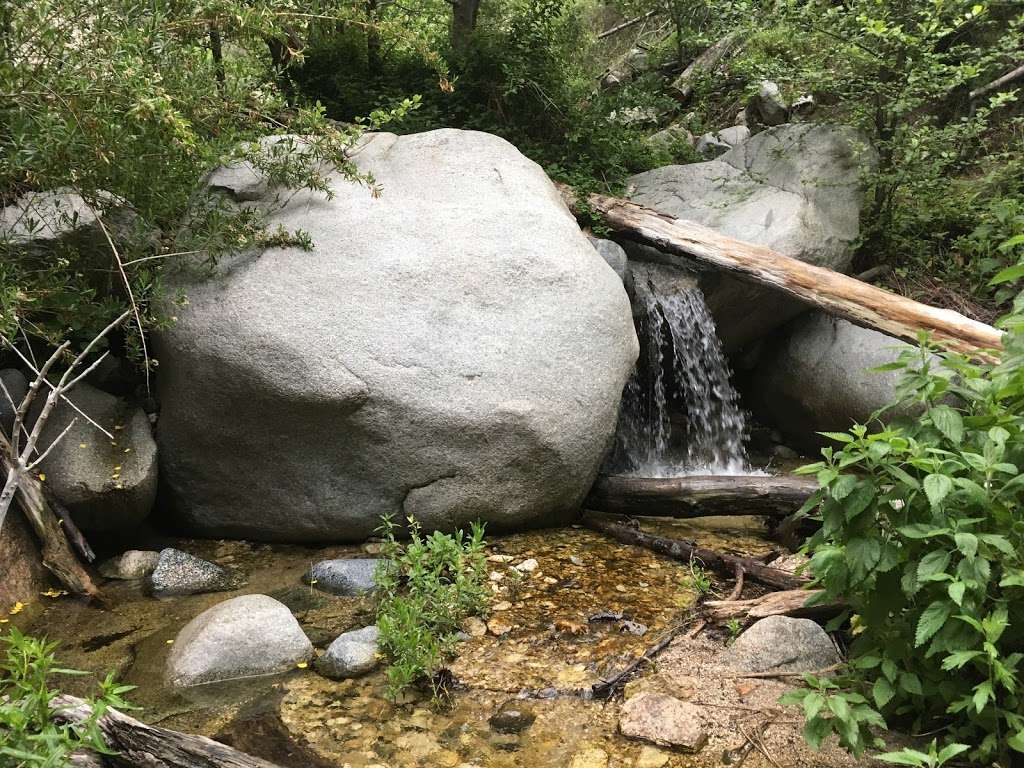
[791,602]
[689,551]
[144,746]
[703,64]
[701,495]
[838,294]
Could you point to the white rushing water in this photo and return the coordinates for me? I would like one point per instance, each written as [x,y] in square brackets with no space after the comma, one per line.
[682,371]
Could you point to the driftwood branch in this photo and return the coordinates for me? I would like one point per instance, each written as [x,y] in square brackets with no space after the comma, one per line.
[706,62]
[833,292]
[144,746]
[688,551]
[999,82]
[626,24]
[701,495]
[791,602]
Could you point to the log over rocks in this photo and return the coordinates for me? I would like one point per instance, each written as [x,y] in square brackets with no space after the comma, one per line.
[701,495]
[138,744]
[689,551]
[790,602]
[833,292]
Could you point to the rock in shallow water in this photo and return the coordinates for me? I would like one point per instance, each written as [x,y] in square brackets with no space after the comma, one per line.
[453,349]
[513,717]
[352,654]
[130,565]
[663,720]
[344,576]
[179,573]
[246,636]
[783,644]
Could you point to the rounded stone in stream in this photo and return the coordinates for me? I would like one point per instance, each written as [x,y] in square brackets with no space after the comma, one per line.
[513,717]
[352,654]
[179,573]
[783,644]
[130,565]
[246,636]
[344,576]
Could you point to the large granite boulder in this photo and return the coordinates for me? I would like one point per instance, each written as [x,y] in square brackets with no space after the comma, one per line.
[22,575]
[783,644]
[793,188]
[817,376]
[107,484]
[453,349]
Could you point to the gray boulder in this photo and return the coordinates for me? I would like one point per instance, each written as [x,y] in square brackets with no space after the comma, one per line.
[711,145]
[671,136]
[344,576]
[614,256]
[179,573]
[247,636]
[663,720]
[816,377]
[12,392]
[130,565]
[767,107]
[783,644]
[795,188]
[106,484]
[352,654]
[452,349]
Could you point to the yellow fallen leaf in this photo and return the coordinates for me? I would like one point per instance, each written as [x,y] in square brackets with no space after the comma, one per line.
[302,665]
[54,593]
[5,621]
[17,608]
[170,642]
[118,426]
[42,477]
[82,445]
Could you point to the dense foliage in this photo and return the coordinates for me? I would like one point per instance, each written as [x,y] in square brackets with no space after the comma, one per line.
[29,736]
[922,538]
[426,587]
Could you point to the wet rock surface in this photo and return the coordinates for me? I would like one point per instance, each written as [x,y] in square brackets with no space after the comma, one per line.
[131,565]
[180,573]
[346,576]
[513,717]
[352,654]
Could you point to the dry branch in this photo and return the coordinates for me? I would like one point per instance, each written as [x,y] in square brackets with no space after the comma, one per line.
[1014,74]
[626,24]
[706,62]
[145,746]
[701,495]
[833,292]
[689,551]
[791,602]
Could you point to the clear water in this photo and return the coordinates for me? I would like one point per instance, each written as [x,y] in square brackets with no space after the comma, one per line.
[683,370]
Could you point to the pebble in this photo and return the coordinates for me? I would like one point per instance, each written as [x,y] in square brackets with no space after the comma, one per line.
[527,566]
[130,565]
[500,558]
[663,720]
[651,757]
[498,626]
[512,717]
[474,627]
[589,757]
[504,605]
[352,654]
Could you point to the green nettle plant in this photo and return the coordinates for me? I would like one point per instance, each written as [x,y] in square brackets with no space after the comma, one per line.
[426,587]
[922,537]
[29,737]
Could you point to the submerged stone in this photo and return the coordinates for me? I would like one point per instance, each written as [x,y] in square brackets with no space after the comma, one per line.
[513,717]
[352,654]
[130,565]
[344,576]
[181,573]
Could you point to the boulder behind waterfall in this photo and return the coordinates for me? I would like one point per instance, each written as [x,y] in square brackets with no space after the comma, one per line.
[453,349]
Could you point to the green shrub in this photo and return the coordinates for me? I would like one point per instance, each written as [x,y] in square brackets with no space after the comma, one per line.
[28,734]
[922,538]
[426,587]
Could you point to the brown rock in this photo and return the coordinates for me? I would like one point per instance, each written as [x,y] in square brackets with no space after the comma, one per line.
[663,720]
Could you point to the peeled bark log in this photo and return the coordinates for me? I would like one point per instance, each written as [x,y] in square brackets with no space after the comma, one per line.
[701,495]
[791,602]
[706,62]
[689,551]
[833,292]
[144,746]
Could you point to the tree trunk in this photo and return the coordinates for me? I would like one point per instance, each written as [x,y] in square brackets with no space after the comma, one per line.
[139,745]
[464,13]
[707,61]
[832,292]
[701,495]
[688,551]
[791,602]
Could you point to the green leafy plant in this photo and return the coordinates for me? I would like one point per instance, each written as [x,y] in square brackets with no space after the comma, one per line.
[29,735]
[933,758]
[735,628]
[426,587]
[698,579]
[922,537]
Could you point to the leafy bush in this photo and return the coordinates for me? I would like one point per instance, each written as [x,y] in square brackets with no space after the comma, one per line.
[28,734]
[426,587]
[922,537]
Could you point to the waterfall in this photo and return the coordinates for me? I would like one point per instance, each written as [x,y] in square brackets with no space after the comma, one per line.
[682,370]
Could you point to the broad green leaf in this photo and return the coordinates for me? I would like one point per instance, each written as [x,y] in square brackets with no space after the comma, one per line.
[957,659]
[882,692]
[841,488]
[950,751]
[839,437]
[922,531]
[910,683]
[956,592]
[906,757]
[932,564]
[931,621]
[1013,577]
[948,422]
[936,488]
[1016,742]
[1016,272]
[982,693]
[999,542]
[967,543]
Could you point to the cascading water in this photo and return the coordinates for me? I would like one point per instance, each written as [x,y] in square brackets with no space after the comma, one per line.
[681,369]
